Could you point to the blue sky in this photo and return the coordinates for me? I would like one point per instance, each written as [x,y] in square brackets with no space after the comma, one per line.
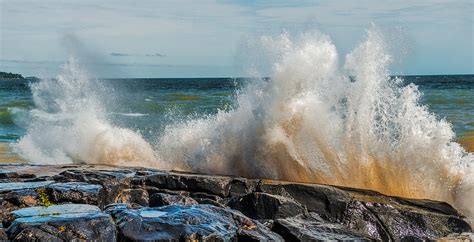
[200,38]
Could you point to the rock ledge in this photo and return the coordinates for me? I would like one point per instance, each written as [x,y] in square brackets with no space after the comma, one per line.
[104,203]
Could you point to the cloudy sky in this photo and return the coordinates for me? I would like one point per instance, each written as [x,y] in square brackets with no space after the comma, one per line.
[196,38]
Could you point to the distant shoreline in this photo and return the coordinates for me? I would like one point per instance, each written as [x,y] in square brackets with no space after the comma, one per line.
[9,75]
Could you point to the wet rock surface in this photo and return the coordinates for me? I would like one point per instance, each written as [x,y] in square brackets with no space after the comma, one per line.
[75,192]
[459,237]
[95,202]
[163,199]
[179,222]
[60,222]
[389,221]
[260,205]
[134,197]
[12,186]
[311,227]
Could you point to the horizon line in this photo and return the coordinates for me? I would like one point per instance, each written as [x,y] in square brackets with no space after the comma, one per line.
[231,77]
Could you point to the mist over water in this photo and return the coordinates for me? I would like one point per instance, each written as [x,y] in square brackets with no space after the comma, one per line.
[317,119]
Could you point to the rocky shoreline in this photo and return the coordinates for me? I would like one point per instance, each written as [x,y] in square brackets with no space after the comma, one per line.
[104,203]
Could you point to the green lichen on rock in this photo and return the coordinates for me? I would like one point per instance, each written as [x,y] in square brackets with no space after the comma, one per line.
[48,214]
[43,197]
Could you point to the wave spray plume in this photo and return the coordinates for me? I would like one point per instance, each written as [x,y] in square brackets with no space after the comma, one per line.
[313,122]
[69,125]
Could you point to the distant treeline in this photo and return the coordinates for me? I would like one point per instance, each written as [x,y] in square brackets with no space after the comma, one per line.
[10,75]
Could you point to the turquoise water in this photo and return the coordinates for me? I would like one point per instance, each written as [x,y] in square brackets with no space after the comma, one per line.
[147,105]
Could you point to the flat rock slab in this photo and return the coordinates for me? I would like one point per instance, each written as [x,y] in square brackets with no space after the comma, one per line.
[61,222]
[75,192]
[24,169]
[260,205]
[11,186]
[112,181]
[55,210]
[218,185]
[177,222]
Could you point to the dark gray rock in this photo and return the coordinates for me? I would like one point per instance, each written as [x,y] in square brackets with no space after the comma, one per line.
[216,185]
[75,192]
[163,199]
[371,213]
[134,197]
[3,235]
[177,222]
[327,201]
[153,190]
[209,201]
[358,218]
[22,198]
[467,237]
[14,176]
[242,186]
[394,221]
[61,222]
[311,227]
[259,205]
[112,181]
[429,205]
[205,198]
[36,234]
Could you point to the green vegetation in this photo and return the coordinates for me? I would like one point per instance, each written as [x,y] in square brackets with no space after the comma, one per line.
[43,197]
[9,75]
[48,214]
